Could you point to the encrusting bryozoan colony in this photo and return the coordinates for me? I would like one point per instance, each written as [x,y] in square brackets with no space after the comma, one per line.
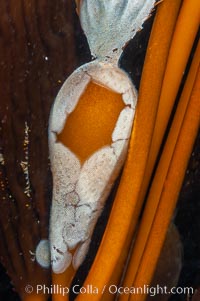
[90,127]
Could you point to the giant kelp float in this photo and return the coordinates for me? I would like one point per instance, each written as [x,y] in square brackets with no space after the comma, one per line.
[90,127]
[97,123]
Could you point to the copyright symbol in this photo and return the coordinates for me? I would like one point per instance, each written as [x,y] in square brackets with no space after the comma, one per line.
[28,289]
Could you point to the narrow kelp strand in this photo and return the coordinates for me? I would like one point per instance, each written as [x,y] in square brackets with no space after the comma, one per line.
[171,188]
[160,178]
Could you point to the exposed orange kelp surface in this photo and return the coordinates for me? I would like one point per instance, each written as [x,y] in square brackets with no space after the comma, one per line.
[91,124]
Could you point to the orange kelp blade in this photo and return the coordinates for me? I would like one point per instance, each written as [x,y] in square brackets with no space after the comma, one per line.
[181,45]
[172,171]
[61,284]
[160,178]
